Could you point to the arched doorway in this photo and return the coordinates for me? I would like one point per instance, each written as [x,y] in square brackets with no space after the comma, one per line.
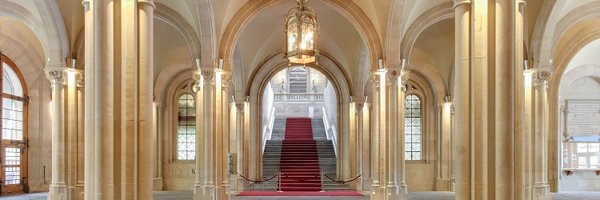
[250,159]
[14,143]
[299,119]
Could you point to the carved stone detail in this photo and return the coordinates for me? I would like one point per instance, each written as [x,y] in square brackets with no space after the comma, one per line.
[541,77]
[197,76]
[240,106]
[225,79]
[56,75]
[209,76]
[80,79]
[393,75]
[375,78]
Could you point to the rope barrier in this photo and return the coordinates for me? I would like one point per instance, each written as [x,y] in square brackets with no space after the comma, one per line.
[342,181]
[259,180]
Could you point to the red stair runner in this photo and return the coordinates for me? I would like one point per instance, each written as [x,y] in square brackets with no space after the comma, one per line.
[299,162]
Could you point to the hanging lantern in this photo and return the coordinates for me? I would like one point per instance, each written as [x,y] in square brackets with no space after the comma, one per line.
[301,34]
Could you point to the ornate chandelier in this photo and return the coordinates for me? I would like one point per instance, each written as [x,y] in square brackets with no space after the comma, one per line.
[301,33]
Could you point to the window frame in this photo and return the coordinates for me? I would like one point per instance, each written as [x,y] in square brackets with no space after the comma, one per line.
[185,88]
[423,127]
[24,143]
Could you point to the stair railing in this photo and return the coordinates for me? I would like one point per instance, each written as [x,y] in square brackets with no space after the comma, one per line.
[330,131]
[268,129]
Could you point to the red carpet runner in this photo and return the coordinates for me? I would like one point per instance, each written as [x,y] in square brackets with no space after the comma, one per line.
[299,163]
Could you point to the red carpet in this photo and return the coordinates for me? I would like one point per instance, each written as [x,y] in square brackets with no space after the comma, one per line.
[257,193]
[299,163]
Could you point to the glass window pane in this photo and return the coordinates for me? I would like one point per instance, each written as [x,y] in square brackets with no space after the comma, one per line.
[412,128]
[186,128]
[12,119]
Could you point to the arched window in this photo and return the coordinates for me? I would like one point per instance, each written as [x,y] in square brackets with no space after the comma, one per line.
[413,128]
[14,129]
[186,128]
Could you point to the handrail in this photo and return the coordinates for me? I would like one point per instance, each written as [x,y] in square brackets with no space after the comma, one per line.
[268,129]
[330,131]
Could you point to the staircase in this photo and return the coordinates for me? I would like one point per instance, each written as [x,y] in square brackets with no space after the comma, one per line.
[327,157]
[298,80]
[299,162]
[301,154]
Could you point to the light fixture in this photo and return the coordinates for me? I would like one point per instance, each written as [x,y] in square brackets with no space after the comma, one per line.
[302,33]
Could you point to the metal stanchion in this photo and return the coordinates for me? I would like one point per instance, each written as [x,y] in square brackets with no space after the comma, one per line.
[322,182]
[279,182]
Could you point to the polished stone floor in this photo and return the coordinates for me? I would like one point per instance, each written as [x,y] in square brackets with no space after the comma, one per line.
[182,195]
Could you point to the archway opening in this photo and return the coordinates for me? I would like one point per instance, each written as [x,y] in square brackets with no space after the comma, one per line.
[578,122]
[299,120]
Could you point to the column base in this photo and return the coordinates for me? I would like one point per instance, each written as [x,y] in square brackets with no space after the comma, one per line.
[398,192]
[79,190]
[157,184]
[207,192]
[366,184]
[223,192]
[541,192]
[62,192]
[235,186]
[377,191]
[443,184]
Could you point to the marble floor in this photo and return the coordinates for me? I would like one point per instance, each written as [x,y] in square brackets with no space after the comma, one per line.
[182,195]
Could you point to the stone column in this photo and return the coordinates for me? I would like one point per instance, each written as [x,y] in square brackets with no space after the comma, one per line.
[397,168]
[359,144]
[379,143]
[240,139]
[462,94]
[504,101]
[58,186]
[80,135]
[119,80]
[71,132]
[366,160]
[445,146]
[208,186]
[200,156]
[145,99]
[158,177]
[401,93]
[521,133]
[541,189]
[222,133]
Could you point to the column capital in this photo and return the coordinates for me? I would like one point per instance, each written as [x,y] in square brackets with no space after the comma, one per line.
[146,3]
[541,77]
[225,78]
[239,106]
[393,74]
[80,78]
[55,74]
[85,4]
[375,78]
[197,76]
[359,106]
[458,3]
[209,76]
